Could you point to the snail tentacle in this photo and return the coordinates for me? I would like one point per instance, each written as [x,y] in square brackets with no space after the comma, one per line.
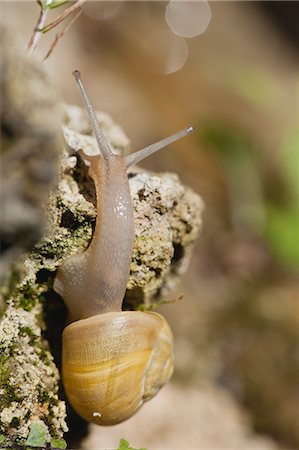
[139,155]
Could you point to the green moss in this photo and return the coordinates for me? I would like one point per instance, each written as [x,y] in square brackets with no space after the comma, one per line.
[5,387]
[5,372]
[43,355]
[27,303]
[9,392]
[63,245]
[28,296]
[3,359]
[43,396]
[29,332]
[12,349]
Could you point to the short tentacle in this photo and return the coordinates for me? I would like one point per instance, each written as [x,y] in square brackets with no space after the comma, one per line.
[134,158]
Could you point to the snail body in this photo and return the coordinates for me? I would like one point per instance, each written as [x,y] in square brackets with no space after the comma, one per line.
[102,271]
[112,360]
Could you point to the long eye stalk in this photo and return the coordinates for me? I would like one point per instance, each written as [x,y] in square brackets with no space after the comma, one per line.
[104,147]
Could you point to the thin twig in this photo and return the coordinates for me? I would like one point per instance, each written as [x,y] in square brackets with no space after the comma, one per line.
[61,33]
[36,32]
[154,305]
[62,16]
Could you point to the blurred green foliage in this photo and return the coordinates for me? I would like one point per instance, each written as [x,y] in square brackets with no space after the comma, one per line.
[260,204]
[282,226]
[252,84]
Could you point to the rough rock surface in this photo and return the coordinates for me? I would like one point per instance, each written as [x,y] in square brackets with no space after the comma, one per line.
[29,378]
[31,141]
[167,221]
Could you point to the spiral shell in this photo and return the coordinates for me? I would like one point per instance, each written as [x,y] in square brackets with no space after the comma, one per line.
[112,363]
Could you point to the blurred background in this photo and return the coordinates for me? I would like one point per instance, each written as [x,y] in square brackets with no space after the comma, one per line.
[231,70]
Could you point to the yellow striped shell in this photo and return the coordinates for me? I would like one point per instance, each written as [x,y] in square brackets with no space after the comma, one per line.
[112,363]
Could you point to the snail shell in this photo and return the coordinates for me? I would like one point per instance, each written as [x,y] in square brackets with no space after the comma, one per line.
[112,363]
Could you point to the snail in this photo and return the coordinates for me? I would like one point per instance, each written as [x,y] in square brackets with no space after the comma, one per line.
[112,360]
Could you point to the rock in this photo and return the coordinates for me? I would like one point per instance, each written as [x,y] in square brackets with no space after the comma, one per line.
[28,377]
[167,222]
[30,145]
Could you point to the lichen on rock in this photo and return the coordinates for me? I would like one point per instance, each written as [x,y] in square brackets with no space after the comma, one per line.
[28,377]
[167,222]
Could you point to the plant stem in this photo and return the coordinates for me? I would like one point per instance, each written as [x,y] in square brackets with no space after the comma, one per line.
[61,33]
[63,16]
[37,29]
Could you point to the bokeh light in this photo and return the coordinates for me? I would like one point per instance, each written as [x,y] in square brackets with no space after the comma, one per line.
[188,18]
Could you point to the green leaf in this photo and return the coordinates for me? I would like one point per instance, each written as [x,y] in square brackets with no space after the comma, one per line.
[2,438]
[37,435]
[58,443]
[51,4]
[124,445]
